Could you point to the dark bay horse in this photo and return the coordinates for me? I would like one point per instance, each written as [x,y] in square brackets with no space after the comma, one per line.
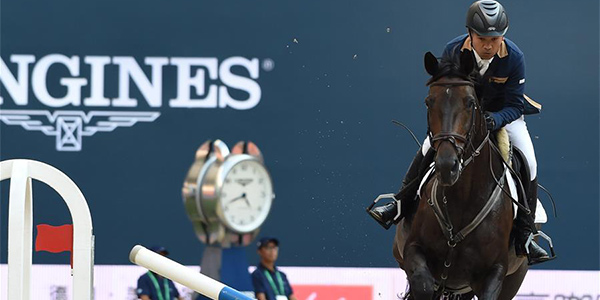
[457,244]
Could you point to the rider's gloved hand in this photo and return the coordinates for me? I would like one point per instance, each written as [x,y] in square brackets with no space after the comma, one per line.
[489,120]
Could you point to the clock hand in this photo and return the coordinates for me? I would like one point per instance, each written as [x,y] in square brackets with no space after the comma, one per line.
[247,201]
[243,196]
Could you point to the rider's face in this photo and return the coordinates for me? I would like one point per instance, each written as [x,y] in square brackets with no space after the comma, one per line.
[486,46]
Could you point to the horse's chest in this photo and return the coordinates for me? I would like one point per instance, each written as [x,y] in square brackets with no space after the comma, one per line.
[428,236]
[458,263]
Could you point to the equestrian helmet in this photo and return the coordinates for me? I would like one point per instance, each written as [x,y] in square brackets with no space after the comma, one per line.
[487,18]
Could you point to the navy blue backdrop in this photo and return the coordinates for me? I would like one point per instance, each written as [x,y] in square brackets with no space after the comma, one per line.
[331,74]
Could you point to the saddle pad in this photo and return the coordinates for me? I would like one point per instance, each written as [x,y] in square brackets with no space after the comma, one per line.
[503,142]
[540,213]
[426,177]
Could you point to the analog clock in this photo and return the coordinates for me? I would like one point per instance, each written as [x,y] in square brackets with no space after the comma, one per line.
[245,193]
[227,195]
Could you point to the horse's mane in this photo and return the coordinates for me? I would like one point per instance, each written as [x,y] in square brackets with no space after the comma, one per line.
[451,68]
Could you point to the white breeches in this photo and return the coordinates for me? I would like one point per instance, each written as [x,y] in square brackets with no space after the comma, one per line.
[519,137]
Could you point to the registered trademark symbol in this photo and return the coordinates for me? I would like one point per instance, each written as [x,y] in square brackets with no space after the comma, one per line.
[268,64]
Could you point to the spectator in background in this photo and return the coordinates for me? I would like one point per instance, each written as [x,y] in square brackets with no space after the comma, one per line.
[270,283]
[152,286]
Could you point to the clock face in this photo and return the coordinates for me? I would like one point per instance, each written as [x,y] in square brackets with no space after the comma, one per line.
[246,196]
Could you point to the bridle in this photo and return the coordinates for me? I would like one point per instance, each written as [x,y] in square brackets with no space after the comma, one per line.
[452,137]
[441,212]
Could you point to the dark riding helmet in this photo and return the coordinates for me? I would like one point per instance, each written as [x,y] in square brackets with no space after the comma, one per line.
[487,18]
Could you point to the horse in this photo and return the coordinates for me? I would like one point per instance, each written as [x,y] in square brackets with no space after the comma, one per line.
[458,242]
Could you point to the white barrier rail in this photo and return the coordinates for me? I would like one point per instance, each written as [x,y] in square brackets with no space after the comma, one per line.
[185,276]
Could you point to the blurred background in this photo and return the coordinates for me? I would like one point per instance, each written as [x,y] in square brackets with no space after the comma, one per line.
[331,75]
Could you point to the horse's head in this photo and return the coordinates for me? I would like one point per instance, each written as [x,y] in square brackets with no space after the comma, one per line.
[452,113]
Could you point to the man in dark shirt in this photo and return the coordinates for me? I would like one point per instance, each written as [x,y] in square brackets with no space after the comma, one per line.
[152,286]
[270,283]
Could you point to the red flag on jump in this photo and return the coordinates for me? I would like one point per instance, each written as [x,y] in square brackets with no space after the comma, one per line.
[54,239]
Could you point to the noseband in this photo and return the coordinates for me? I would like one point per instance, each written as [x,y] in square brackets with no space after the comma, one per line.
[452,137]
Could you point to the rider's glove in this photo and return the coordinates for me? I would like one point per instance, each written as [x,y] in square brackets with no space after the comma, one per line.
[489,120]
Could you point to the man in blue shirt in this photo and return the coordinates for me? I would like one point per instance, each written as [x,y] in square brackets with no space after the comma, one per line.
[270,283]
[501,65]
[152,286]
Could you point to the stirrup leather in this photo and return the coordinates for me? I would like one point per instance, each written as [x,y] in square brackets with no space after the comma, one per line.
[388,224]
[541,234]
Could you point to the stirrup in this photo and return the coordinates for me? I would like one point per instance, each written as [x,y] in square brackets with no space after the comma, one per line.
[388,224]
[541,234]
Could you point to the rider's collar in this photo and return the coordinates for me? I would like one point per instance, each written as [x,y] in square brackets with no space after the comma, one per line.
[483,64]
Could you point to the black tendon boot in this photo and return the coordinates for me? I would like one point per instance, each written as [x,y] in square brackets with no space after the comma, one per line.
[524,230]
[389,214]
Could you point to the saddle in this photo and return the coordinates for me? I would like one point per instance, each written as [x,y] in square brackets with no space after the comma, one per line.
[518,162]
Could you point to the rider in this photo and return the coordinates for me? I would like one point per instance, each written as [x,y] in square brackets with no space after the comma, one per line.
[501,64]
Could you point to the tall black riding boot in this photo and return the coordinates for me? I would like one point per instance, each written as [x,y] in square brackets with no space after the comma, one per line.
[389,214]
[524,229]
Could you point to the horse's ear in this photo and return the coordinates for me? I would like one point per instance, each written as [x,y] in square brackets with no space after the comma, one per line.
[467,62]
[431,64]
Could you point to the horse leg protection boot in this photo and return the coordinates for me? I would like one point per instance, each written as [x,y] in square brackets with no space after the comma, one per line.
[387,214]
[525,228]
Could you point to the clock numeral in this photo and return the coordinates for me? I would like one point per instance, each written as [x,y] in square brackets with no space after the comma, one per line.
[253,170]
[223,195]
[227,181]
[259,208]
[244,167]
[234,171]
[226,208]
[242,222]
[251,218]
[263,194]
[261,180]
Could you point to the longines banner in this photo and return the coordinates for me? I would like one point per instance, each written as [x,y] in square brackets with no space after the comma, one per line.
[119,95]
[70,126]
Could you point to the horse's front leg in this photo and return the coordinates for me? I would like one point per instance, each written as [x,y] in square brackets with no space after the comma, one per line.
[419,277]
[490,285]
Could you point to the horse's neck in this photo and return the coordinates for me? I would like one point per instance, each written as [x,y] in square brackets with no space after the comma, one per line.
[476,181]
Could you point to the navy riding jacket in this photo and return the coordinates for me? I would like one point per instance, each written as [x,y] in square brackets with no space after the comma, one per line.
[503,84]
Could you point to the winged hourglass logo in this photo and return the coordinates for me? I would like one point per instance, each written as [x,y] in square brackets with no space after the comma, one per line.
[69,127]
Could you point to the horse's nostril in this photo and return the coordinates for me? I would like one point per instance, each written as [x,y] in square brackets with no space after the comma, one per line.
[455,166]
